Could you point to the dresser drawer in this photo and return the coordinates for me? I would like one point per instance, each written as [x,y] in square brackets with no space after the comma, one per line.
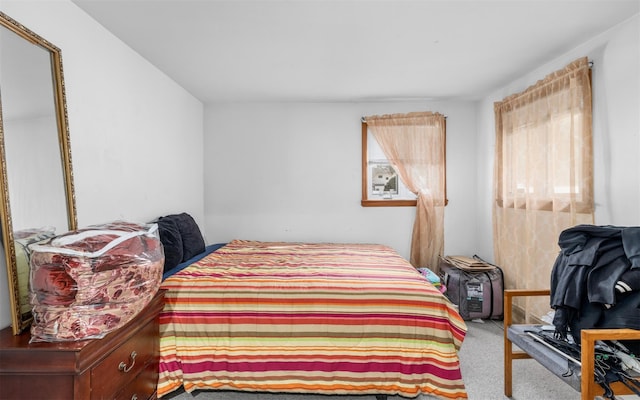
[143,386]
[125,364]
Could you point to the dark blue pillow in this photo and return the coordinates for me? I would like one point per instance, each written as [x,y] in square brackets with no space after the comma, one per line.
[172,243]
[192,240]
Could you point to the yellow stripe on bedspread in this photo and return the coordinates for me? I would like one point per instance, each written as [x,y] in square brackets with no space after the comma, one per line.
[308,318]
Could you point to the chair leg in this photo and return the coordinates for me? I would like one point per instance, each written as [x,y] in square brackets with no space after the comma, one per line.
[508,366]
[507,348]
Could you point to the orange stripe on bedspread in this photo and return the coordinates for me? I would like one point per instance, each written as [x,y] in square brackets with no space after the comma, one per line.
[308,318]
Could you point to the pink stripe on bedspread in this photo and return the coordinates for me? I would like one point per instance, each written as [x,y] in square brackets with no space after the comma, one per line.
[308,318]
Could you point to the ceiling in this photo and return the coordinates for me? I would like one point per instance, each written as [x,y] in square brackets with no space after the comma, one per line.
[352,50]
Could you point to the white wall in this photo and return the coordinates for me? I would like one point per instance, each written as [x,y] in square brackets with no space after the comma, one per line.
[292,171]
[136,136]
[616,128]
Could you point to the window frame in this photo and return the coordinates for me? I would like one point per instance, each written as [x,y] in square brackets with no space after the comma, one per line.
[365,201]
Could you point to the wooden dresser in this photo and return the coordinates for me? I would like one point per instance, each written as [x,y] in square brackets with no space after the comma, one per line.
[122,365]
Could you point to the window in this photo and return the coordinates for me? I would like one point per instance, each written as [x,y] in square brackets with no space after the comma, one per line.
[382,185]
[543,158]
[554,176]
[382,181]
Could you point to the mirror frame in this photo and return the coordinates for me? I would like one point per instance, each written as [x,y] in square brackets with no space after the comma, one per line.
[19,324]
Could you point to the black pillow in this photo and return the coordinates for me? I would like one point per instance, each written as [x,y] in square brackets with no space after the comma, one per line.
[172,243]
[192,240]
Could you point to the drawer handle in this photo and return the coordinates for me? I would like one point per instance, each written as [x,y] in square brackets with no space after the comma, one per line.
[123,367]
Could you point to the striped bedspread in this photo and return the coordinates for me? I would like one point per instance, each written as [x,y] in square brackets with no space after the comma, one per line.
[308,318]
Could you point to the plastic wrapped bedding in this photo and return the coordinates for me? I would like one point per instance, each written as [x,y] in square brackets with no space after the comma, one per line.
[89,282]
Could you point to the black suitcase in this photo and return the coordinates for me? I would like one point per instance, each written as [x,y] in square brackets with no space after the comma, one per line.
[478,294]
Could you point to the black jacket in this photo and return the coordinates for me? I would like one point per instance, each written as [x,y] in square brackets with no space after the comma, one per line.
[592,261]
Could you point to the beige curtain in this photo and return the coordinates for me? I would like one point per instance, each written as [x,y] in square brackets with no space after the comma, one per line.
[414,144]
[543,176]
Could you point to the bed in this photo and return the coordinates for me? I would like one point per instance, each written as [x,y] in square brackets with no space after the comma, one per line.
[307,318]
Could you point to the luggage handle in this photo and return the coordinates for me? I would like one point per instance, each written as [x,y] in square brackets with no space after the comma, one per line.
[476,257]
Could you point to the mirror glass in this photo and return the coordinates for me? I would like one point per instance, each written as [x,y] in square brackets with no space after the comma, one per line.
[37,195]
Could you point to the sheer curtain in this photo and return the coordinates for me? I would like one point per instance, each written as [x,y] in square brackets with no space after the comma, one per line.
[414,144]
[543,176]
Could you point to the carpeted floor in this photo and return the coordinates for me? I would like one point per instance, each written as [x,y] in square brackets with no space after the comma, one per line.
[481,360]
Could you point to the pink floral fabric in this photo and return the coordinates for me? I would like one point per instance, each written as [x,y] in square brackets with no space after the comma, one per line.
[89,282]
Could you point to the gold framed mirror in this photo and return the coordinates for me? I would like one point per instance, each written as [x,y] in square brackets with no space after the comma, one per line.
[37,197]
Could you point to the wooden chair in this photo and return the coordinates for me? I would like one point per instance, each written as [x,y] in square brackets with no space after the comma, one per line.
[531,349]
